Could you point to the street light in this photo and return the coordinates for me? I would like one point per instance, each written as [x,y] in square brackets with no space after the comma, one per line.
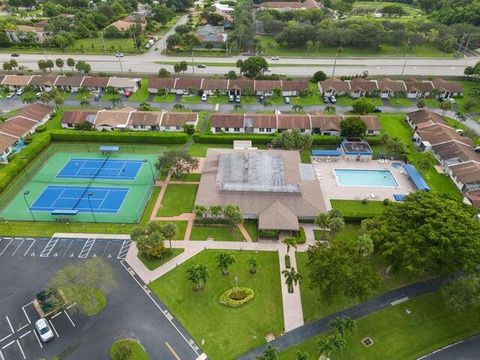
[339,51]
[405,56]
[90,204]
[151,169]
[28,205]
[119,57]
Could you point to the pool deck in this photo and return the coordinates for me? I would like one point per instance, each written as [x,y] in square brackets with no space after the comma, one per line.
[331,190]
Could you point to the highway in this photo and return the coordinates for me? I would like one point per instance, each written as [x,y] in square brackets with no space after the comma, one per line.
[150,63]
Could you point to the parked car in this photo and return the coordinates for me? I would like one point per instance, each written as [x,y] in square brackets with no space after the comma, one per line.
[204,97]
[326,100]
[20,91]
[377,110]
[287,100]
[10,95]
[96,97]
[237,98]
[37,95]
[275,58]
[477,149]
[333,99]
[201,66]
[127,93]
[262,97]
[44,330]
[231,98]
[15,55]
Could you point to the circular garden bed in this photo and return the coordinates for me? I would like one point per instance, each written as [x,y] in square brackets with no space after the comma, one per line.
[236,296]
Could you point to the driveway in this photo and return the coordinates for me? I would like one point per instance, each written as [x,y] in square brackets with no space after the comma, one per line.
[131,311]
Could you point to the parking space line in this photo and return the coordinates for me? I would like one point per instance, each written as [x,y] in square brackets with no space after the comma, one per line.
[23,308]
[69,318]
[6,247]
[10,343]
[49,247]
[71,305]
[53,327]
[10,324]
[124,249]
[39,342]
[6,337]
[33,242]
[172,351]
[57,314]
[105,250]
[21,350]
[1,356]
[23,327]
[68,247]
[18,247]
[28,332]
[86,248]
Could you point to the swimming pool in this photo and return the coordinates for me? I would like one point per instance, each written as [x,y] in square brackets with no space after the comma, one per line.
[367,178]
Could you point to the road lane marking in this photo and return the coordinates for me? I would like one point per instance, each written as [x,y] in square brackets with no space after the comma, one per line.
[69,318]
[172,351]
[87,247]
[23,327]
[68,247]
[23,308]
[49,247]
[5,338]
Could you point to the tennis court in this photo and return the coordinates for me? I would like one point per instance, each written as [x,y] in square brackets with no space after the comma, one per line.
[100,169]
[81,198]
[84,186]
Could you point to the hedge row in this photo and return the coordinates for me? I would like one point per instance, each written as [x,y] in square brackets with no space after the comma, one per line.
[302,237]
[229,139]
[20,161]
[326,140]
[373,140]
[120,137]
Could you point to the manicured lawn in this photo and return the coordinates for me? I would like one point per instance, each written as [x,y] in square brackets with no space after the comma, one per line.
[227,332]
[369,6]
[348,101]
[181,228]
[200,150]
[399,335]
[169,98]
[178,199]
[192,177]
[141,94]
[357,208]
[395,125]
[219,233]
[83,95]
[468,88]
[252,228]
[400,102]
[154,263]
[95,45]
[432,103]
[194,99]
[138,352]
[222,99]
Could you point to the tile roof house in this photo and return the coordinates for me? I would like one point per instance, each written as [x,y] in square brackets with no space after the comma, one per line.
[26,32]
[436,134]
[95,82]
[69,83]
[418,89]
[260,123]
[266,87]
[16,81]
[389,87]
[71,118]
[156,83]
[145,120]
[188,85]
[43,82]
[360,87]
[172,121]
[17,126]
[113,119]
[38,112]
[447,89]
[123,84]
[293,87]
[421,118]
[474,197]
[227,123]
[333,86]
[294,121]
[466,175]
[240,86]
[214,35]
[209,86]
[326,124]
[269,185]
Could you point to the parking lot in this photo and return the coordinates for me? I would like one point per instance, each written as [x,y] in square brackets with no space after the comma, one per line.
[131,311]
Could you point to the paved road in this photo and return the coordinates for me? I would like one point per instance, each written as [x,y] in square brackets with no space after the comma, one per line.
[28,264]
[315,328]
[465,350]
[149,63]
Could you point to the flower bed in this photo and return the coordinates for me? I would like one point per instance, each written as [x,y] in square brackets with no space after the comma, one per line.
[236,296]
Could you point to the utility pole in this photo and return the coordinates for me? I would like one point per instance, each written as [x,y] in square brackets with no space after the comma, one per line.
[103,40]
[193,65]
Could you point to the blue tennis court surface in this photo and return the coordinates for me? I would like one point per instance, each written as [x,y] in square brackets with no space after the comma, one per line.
[100,169]
[102,199]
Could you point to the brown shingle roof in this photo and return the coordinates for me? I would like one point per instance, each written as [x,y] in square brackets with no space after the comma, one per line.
[77,116]
[178,119]
[69,81]
[35,111]
[112,118]
[467,173]
[6,141]
[95,81]
[455,150]
[416,85]
[121,82]
[326,122]
[151,118]
[188,83]
[17,126]
[16,80]
[387,84]
[474,197]
[441,84]
[371,121]
[227,120]
[161,83]
[267,85]
[423,117]
[335,85]
[360,84]
[267,121]
[294,85]
[215,84]
[42,80]
[241,84]
[438,133]
[291,121]
[277,216]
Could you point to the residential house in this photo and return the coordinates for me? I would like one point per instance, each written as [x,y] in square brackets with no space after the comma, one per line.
[128,22]
[71,118]
[25,33]
[124,85]
[447,89]
[15,82]
[294,121]
[436,134]
[326,124]
[474,197]
[69,83]
[360,87]
[422,118]
[95,83]
[266,87]
[293,87]
[37,112]
[417,89]
[389,88]
[188,86]
[145,120]
[466,175]
[264,124]
[113,119]
[210,86]
[227,123]
[176,121]
[334,86]
[214,35]
[241,86]
[156,83]
[43,82]
[373,125]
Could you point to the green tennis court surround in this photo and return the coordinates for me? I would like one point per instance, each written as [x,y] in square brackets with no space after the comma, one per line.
[79,183]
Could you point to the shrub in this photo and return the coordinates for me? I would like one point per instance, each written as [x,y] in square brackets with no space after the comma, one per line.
[326,140]
[120,137]
[288,265]
[301,238]
[231,296]
[229,138]
[273,234]
[386,202]
[41,128]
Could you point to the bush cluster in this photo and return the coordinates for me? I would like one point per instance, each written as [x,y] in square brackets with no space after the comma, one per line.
[229,138]
[229,298]
[120,137]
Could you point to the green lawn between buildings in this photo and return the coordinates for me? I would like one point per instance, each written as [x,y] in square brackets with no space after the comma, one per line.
[348,101]
[356,208]
[399,335]
[251,226]
[141,94]
[220,233]
[138,352]
[227,332]
[154,263]
[400,102]
[178,199]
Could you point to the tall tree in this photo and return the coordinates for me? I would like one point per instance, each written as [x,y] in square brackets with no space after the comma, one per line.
[463,294]
[253,66]
[270,353]
[291,277]
[290,241]
[59,63]
[71,63]
[343,325]
[353,127]
[363,106]
[176,162]
[169,231]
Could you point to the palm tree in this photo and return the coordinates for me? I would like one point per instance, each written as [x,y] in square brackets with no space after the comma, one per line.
[198,274]
[290,241]
[338,342]
[325,346]
[169,231]
[253,265]
[330,109]
[45,97]
[297,108]
[322,221]
[292,277]
[460,116]
[302,356]
[426,160]
[343,325]
[224,261]
[199,211]
[270,353]
[216,210]
[335,225]
[84,102]
[445,106]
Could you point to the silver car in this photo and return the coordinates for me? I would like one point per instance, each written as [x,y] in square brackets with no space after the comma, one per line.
[44,330]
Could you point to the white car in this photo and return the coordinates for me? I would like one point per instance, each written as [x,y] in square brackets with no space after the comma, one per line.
[287,100]
[204,97]
[275,58]
[333,99]
[20,91]
[10,95]
[231,98]
[43,329]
